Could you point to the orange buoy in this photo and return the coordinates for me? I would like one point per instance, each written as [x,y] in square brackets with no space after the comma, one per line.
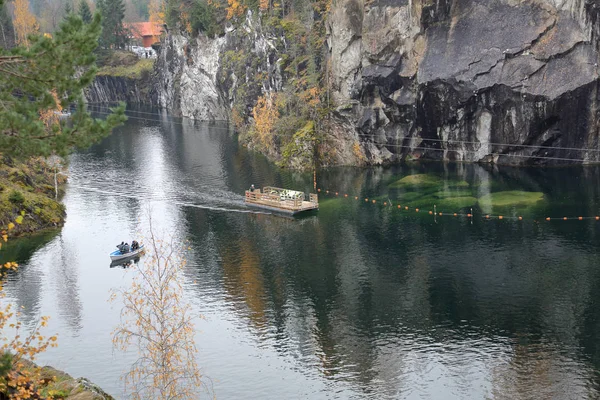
[345,195]
[430,212]
[327,191]
[469,215]
[406,208]
[487,217]
[565,218]
[367,200]
[441,214]
[581,218]
[318,190]
[399,206]
[336,193]
[548,219]
[385,203]
[500,217]
[455,214]
[416,209]
[597,218]
[355,197]
[520,218]
[374,201]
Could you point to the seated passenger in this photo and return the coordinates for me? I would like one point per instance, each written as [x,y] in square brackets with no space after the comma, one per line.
[125,248]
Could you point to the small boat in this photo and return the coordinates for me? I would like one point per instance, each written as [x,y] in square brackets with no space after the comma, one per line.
[118,256]
[284,201]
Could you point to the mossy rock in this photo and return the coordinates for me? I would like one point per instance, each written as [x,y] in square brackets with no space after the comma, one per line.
[511,198]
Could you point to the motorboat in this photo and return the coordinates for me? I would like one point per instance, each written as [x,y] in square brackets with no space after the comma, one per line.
[117,255]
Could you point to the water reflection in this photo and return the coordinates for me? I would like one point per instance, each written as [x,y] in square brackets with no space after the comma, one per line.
[359,301]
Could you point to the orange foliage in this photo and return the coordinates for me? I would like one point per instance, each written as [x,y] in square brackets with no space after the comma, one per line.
[49,116]
[265,114]
[157,9]
[24,22]
[264,5]
[235,8]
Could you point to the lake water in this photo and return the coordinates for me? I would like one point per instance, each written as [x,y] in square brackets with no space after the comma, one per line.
[361,300]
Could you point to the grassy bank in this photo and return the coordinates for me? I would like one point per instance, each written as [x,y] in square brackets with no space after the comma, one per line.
[124,64]
[27,190]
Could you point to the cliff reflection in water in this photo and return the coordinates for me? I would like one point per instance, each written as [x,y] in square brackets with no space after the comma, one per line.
[393,301]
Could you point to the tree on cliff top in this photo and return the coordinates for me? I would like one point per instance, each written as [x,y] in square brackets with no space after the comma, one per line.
[39,80]
[114,34]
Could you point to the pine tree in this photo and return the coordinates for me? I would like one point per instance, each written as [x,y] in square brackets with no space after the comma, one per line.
[84,12]
[114,34]
[48,75]
[68,9]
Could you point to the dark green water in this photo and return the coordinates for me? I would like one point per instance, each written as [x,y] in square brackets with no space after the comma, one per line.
[359,301]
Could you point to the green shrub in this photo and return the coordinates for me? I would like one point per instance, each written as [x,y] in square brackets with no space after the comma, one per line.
[16,197]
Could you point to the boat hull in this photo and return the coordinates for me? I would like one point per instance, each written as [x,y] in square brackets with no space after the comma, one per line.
[282,211]
[118,256]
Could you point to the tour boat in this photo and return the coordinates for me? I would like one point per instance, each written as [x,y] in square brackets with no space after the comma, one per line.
[117,255]
[284,201]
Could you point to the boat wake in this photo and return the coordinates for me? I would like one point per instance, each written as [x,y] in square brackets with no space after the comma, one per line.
[170,201]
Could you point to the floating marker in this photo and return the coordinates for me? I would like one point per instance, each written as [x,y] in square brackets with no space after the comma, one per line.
[548,219]
[399,206]
[374,201]
[336,193]
[318,190]
[441,214]
[345,195]
[469,215]
[500,217]
[520,218]
[565,218]
[416,209]
[430,212]
[406,208]
[367,200]
[455,214]
[355,197]
[597,218]
[327,191]
[487,217]
[580,218]
[385,203]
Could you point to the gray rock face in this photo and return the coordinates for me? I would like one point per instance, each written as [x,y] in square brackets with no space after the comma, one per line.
[472,80]
[503,81]
[109,89]
[187,78]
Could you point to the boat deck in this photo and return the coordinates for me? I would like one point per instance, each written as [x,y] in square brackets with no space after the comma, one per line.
[281,200]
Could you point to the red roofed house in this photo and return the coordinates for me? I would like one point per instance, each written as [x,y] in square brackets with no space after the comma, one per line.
[146,33]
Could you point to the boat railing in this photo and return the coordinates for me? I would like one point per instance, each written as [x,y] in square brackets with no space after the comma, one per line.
[280,198]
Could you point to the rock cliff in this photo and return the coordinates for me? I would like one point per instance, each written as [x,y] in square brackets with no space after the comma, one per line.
[503,81]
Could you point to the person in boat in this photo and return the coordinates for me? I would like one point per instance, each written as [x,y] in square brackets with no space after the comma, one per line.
[125,248]
[252,188]
[134,245]
[120,246]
